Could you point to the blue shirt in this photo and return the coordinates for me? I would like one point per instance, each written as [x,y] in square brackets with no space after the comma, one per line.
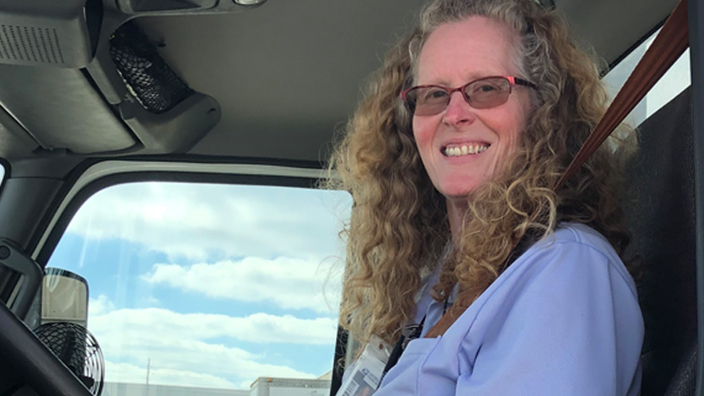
[563,319]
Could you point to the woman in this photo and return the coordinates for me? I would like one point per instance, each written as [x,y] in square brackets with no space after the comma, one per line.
[495,101]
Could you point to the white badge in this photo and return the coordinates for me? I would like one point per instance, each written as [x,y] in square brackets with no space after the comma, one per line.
[367,370]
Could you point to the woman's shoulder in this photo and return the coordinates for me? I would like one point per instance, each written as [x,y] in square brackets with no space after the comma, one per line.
[557,307]
[575,245]
[572,273]
[579,233]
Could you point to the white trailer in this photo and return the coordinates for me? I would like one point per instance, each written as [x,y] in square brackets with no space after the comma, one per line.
[267,386]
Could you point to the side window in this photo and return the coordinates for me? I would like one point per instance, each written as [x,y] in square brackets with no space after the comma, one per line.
[217,289]
[676,80]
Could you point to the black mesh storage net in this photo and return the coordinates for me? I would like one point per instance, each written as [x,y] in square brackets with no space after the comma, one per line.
[145,72]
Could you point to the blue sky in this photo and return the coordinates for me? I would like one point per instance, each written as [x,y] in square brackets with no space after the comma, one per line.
[216,285]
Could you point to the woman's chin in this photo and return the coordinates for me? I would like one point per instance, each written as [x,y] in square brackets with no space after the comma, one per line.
[456,195]
[458,192]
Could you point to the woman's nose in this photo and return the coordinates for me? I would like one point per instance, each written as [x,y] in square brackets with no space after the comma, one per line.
[458,111]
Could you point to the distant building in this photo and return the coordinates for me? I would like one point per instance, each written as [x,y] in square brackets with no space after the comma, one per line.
[262,386]
[267,386]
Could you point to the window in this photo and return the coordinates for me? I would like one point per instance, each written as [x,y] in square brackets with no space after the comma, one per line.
[670,85]
[210,287]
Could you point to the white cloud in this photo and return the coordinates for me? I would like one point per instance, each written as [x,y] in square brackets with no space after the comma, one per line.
[130,373]
[100,305]
[198,221]
[258,328]
[289,283]
[190,350]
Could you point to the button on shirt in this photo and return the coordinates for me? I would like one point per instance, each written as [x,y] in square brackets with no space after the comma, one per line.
[563,319]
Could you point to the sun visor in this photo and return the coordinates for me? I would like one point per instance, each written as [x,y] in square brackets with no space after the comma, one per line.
[49,32]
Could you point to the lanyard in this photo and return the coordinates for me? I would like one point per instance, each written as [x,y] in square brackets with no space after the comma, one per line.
[408,334]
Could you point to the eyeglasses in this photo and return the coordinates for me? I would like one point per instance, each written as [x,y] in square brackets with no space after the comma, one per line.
[484,93]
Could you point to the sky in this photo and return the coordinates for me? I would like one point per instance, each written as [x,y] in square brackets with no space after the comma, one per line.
[210,285]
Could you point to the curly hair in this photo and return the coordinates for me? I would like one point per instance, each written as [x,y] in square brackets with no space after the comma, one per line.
[399,225]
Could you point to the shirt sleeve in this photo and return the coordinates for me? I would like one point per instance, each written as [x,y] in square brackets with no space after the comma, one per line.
[570,326]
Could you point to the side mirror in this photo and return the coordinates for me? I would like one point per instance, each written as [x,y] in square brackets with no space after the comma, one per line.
[64,297]
[62,327]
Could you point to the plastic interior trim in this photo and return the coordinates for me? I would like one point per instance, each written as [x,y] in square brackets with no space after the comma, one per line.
[32,275]
[696,40]
[39,367]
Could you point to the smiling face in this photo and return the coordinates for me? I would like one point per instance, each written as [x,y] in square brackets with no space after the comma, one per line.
[462,147]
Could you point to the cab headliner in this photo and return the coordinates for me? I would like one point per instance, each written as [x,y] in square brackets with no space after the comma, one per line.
[286,75]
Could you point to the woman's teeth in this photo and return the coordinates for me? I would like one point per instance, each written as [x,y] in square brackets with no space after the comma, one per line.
[457,151]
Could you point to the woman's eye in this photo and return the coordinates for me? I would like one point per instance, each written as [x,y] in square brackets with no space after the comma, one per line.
[486,88]
[434,95]
[438,94]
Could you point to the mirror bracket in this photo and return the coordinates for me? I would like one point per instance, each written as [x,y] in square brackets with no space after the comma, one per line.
[30,280]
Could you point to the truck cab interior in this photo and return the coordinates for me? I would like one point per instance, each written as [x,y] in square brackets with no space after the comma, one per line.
[96,94]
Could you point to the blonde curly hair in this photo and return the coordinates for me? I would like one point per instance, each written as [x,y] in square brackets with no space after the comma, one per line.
[399,225]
